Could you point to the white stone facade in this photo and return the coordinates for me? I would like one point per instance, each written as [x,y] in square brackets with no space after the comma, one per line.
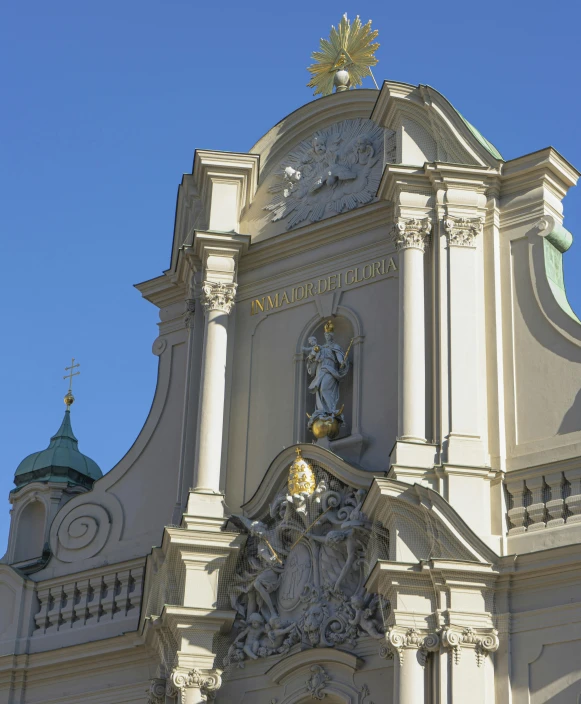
[438,558]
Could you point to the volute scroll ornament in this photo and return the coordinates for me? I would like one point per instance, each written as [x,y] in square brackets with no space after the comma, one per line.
[207,681]
[483,642]
[399,641]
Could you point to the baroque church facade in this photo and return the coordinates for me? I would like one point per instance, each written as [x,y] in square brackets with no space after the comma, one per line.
[361,471]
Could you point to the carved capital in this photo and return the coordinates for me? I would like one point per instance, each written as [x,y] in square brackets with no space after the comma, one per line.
[398,641]
[207,681]
[412,233]
[156,692]
[218,296]
[189,312]
[462,232]
[482,641]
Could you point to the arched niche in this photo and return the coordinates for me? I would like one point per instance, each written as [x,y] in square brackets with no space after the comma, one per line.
[30,531]
[349,443]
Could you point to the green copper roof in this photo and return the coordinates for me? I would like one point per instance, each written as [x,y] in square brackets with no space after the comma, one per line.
[60,462]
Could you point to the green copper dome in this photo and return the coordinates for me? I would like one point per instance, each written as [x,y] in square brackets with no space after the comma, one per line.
[60,462]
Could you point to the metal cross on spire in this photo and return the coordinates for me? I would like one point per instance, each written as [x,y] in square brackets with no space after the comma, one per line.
[69,398]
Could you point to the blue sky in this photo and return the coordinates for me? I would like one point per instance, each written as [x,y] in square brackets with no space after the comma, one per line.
[102,107]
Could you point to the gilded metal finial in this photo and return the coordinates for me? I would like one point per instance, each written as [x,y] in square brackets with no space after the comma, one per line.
[345,59]
[69,398]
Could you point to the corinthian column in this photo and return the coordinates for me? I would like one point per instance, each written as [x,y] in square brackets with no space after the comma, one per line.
[217,300]
[411,239]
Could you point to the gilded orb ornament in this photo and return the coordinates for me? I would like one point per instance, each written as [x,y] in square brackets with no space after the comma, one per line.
[344,59]
[301,478]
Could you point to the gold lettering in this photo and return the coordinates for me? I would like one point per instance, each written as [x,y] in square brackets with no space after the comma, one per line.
[284,298]
[376,269]
[340,275]
[357,280]
[347,281]
[309,290]
[321,289]
[300,289]
[383,266]
[271,303]
[391,266]
[332,280]
[256,305]
[367,276]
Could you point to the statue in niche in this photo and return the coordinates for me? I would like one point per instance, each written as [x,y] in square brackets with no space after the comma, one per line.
[328,364]
[338,169]
[315,543]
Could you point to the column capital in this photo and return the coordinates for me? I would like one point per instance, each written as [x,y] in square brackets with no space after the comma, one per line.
[412,233]
[399,639]
[157,691]
[482,640]
[462,232]
[207,681]
[218,296]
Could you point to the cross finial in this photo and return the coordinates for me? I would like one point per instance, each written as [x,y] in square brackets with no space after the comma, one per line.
[69,398]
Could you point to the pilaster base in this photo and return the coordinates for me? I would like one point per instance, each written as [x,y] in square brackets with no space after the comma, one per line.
[204,505]
[413,462]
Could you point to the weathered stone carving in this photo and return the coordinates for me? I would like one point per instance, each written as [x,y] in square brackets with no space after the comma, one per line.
[462,232]
[218,296]
[328,364]
[337,169]
[412,233]
[189,313]
[317,682]
[301,577]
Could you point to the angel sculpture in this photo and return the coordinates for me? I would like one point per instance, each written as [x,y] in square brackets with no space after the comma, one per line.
[364,607]
[337,170]
[267,566]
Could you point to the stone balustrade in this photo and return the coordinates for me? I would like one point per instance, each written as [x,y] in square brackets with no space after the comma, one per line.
[111,594]
[544,500]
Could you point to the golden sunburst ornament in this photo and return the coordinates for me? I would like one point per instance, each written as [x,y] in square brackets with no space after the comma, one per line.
[345,59]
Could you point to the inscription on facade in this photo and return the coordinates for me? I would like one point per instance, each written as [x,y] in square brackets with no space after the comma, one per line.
[332,282]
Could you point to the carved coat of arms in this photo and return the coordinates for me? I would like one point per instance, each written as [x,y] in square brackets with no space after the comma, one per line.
[301,577]
[337,169]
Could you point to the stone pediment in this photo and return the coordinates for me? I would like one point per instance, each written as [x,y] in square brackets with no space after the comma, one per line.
[423,525]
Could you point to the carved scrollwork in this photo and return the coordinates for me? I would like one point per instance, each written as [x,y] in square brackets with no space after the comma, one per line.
[317,682]
[207,681]
[301,575]
[156,692]
[483,642]
[413,233]
[159,345]
[82,532]
[218,296]
[462,232]
[399,641]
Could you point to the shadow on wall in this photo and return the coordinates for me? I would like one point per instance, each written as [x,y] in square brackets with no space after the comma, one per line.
[572,419]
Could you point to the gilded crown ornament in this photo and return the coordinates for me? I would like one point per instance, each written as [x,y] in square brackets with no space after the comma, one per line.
[301,478]
[344,59]
[329,327]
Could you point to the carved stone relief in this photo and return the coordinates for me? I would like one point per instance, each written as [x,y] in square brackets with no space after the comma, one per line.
[301,576]
[336,170]
[218,296]
[462,232]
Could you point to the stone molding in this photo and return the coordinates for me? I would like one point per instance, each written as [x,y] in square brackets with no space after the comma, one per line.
[482,641]
[218,296]
[462,232]
[207,681]
[398,640]
[412,233]
[317,682]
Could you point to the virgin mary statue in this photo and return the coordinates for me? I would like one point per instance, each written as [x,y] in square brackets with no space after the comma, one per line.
[328,364]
